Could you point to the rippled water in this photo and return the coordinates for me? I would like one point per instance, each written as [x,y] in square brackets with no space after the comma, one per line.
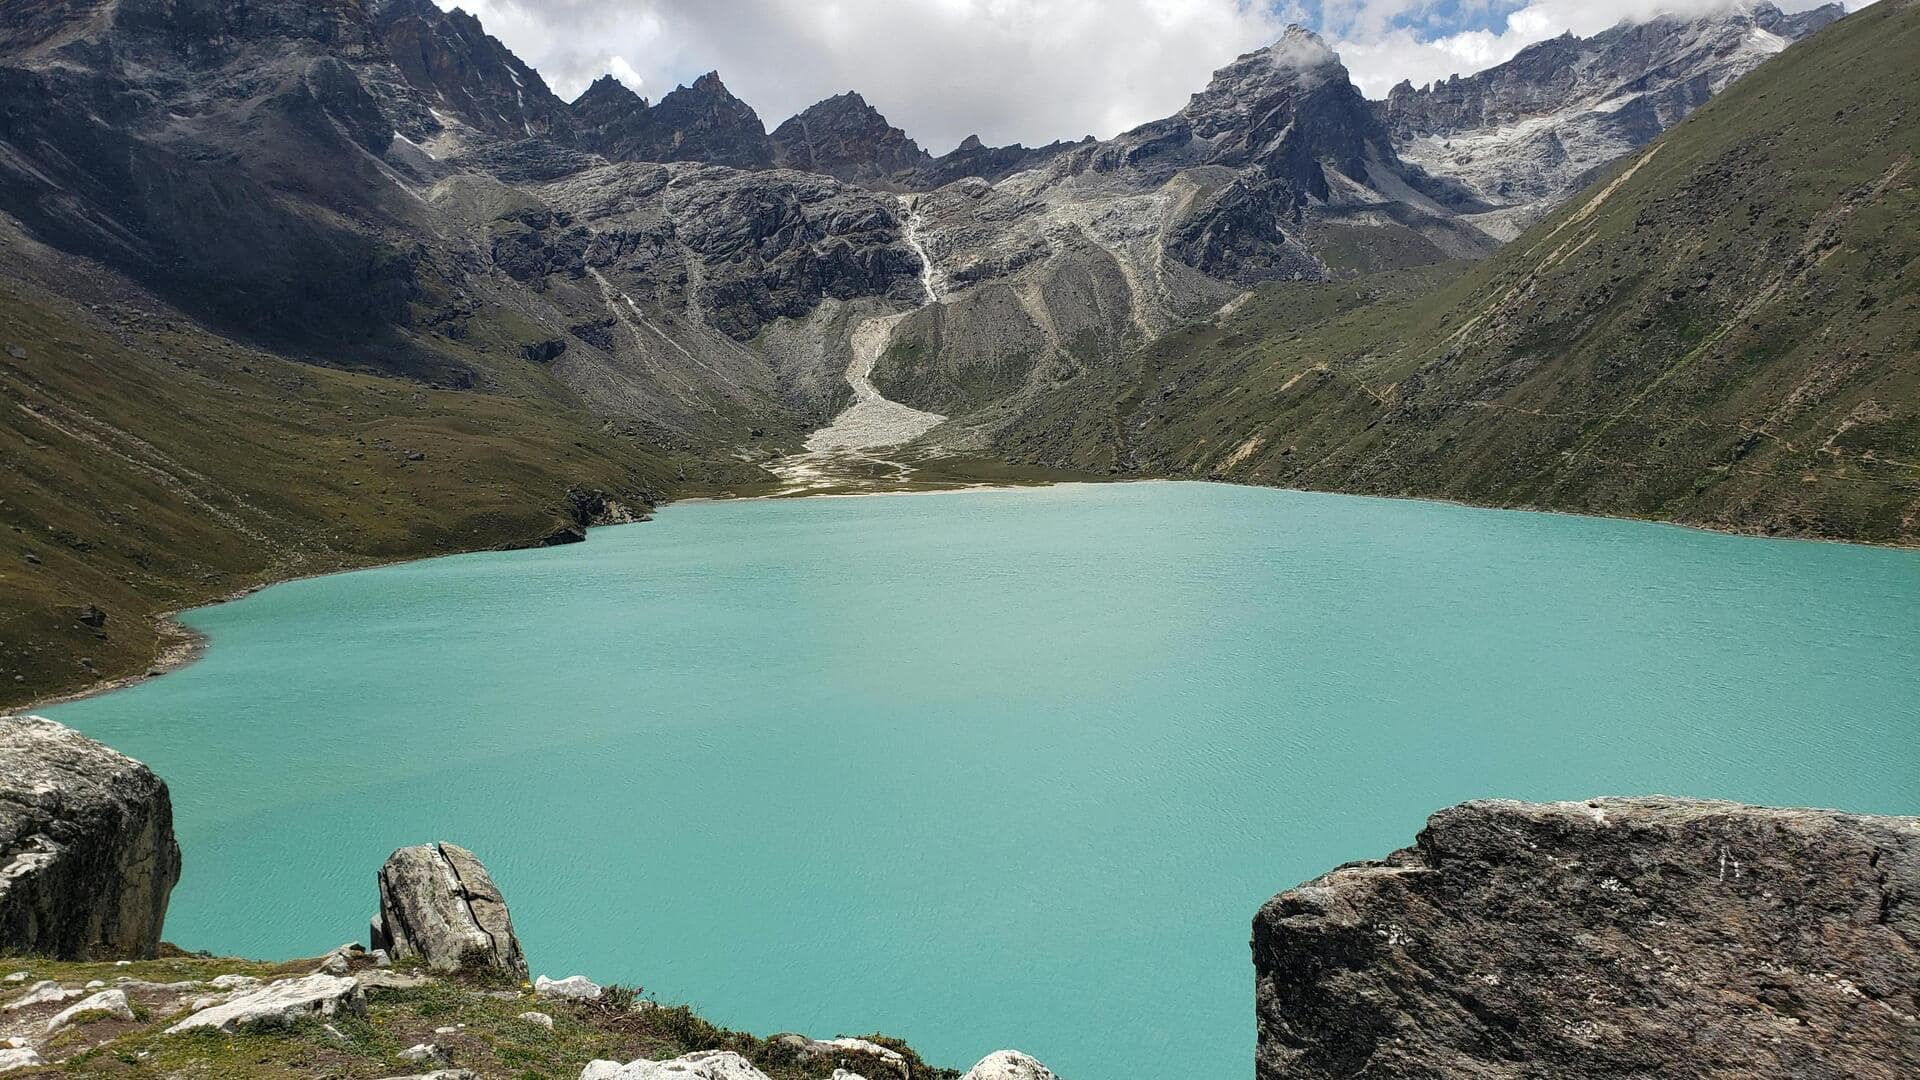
[985,769]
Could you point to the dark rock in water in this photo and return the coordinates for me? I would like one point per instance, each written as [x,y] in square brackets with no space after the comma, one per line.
[437,902]
[87,854]
[1630,937]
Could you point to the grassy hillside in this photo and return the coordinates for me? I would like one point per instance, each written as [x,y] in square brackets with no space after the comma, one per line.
[477,1023]
[147,465]
[1724,331]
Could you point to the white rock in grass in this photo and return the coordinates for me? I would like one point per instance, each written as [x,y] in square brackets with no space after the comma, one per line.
[279,1003]
[18,977]
[571,988]
[1008,1065]
[234,982]
[44,992]
[423,1052]
[700,1065]
[112,1002]
[540,1018]
[24,1058]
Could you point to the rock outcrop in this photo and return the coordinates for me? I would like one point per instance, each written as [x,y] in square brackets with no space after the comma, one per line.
[279,1004]
[699,1065]
[437,902]
[1623,937]
[1008,1065]
[870,1057]
[87,854]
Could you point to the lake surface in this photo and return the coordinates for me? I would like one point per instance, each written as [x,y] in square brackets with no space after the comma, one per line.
[996,768]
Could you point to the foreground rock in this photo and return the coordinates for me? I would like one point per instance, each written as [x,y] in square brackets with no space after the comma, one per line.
[699,1065]
[106,1003]
[1008,1065]
[870,1056]
[571,988]
[87,854]
[437,902]
[1644,937]
[279,1004]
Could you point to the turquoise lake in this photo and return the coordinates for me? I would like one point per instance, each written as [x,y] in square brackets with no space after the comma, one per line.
[994,768]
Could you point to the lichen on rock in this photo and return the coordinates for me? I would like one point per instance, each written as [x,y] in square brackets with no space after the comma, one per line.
[1644,937]
[87,853]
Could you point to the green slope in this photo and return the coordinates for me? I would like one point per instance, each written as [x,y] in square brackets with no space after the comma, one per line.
[1724,331]
[148,465]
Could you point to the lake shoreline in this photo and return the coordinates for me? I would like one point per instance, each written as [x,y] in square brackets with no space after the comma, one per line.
[181,645]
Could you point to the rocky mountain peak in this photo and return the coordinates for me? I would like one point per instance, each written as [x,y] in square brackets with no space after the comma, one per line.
[701,122]
[846,138]
[1259,92]
[460,69]
[1524,133]
[605,99]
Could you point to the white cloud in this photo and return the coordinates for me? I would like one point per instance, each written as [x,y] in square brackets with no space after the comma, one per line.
[1378,54]
[619,68]
[1009,70]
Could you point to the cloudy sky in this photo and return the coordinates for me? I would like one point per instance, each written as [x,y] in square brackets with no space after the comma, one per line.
[1015,70]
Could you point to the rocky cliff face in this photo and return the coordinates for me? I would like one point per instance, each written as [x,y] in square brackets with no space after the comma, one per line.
[87,854]
[1524,134]
[702,122]
[458,68]
[846,138]
[1635,937]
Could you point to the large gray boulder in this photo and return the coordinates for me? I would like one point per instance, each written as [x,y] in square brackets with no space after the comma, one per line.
[437,902]
[87,854]
[1637,937]
[279,1004]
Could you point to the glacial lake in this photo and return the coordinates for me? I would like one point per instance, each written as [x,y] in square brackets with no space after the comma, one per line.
[994,768]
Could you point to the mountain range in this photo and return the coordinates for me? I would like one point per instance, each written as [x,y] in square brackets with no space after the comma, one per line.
[298,285]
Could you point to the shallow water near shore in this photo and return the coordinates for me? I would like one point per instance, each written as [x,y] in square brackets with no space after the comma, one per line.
[989,769]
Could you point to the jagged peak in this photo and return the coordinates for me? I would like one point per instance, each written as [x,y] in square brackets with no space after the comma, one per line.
[708,84]
[608,92]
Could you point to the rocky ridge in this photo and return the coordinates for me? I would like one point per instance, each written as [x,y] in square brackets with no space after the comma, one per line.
[1527,133]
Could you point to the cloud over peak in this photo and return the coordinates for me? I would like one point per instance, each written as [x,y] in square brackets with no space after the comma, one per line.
[1011,70]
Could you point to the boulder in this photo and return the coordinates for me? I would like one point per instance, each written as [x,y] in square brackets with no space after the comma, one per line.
[1008,1065]
[539,1018]
[1646,937]
[571,988]
[87,853]
[839,1051]
[112,1003]
[279,1003]
[25,1057]
[437,902]
[699,1065]
[44,992]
